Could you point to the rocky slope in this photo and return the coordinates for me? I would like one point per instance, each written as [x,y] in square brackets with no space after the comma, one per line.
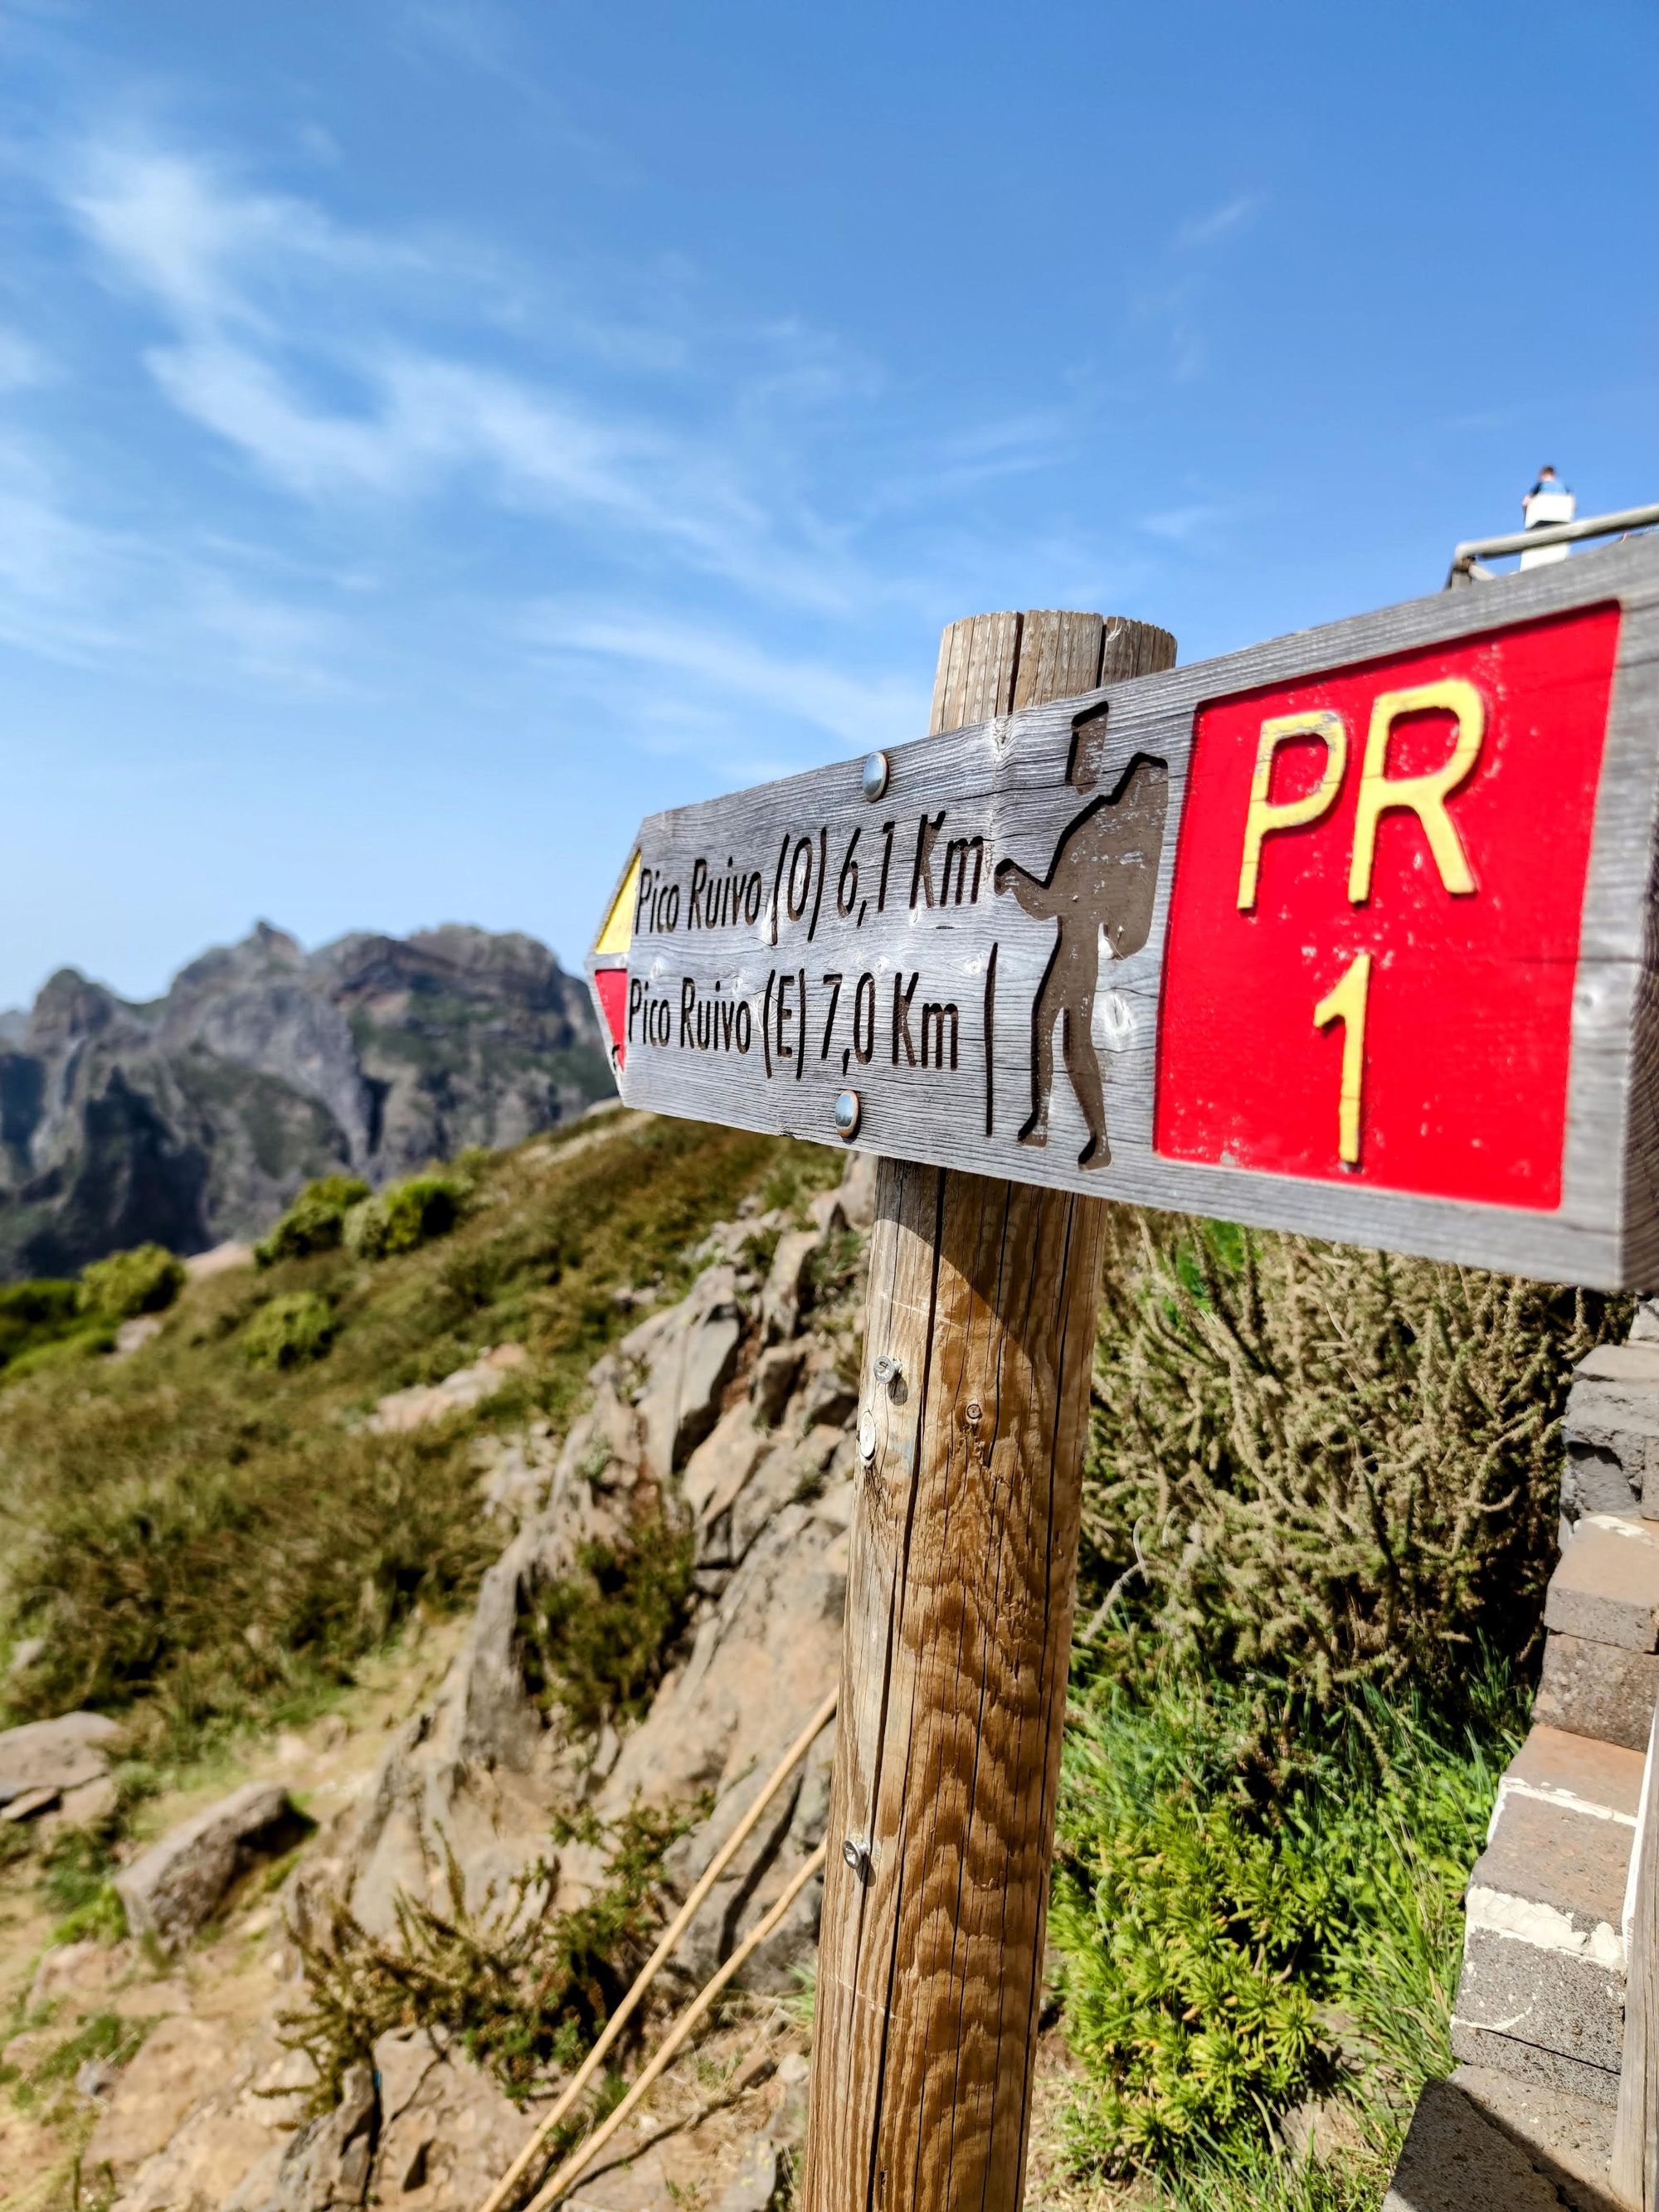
[194,1119]
[724,1419]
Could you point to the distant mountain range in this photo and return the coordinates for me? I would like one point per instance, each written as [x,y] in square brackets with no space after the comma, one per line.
[196,1117]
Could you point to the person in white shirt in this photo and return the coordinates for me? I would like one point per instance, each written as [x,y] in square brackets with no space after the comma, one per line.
[1549,500]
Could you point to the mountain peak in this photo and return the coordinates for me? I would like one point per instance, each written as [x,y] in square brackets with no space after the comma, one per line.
[197,1118]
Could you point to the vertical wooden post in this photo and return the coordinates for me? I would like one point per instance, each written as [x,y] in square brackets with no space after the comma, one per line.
[979,1345]
[1636,2132]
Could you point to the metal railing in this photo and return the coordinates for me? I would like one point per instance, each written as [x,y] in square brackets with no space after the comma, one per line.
[1466,558]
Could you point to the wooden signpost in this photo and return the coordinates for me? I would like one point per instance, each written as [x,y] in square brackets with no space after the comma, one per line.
[1348,933]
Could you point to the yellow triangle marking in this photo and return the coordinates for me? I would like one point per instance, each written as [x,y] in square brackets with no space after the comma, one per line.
[618,931]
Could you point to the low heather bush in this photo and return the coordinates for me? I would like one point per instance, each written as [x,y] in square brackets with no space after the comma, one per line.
[145,1280]
[315,1221]
[1329,1465]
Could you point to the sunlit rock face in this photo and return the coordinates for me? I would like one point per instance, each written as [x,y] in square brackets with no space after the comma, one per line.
[195,1118]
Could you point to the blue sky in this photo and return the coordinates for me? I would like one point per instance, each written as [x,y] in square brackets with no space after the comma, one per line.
[434,433]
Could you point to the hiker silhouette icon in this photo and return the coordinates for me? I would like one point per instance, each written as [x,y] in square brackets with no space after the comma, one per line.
[1104,877]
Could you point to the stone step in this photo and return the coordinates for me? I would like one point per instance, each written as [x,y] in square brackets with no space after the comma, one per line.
[1578,1771]
[1542,1991]
[1605,1588]
[1568,2139]
[1611,1429]
[1457,2159]
[1532,2065]
[1601,1689]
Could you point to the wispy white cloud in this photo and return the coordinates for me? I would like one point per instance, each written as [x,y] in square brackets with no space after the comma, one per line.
[406,395]
[1179,525]
[467,31]
[1232,216]
[859,712]
[283,346]
[78,592]
[183,229]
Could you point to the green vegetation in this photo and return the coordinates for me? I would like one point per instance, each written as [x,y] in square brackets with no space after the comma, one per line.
[598,1643]
[202,1542]
[34,1315]
[145,1280]
[41,2079]
[406,1215]
[524,1989]
[1238,1936]
[1343,1466]
[314,1223]
[1320,1511]
[289,1330]
[52,1323]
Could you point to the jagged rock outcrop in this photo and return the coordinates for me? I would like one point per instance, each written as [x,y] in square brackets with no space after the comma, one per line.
[695,1421]
[195,1119]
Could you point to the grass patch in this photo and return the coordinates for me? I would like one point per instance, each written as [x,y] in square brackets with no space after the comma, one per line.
[204,1543]
[1237,1933]
[40,2082]
[75,1882]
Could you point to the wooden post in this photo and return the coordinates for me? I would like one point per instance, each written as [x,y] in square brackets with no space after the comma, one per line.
[978,1350]
[1636,2132]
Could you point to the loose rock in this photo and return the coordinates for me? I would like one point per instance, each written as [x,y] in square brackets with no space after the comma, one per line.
[176,1886]
[56,1755]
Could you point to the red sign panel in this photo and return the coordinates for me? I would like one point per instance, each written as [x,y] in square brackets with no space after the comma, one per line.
[1374,923]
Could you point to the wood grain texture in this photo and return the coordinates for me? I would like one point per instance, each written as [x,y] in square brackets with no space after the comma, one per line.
[983,1292]
[1635,2132]
[1003,780]
[959,1612]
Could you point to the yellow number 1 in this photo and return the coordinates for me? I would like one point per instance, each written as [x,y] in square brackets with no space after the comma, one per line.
[1346,1005]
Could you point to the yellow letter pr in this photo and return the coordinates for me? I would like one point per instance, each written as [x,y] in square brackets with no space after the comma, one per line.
[1264,817]
[1424,795]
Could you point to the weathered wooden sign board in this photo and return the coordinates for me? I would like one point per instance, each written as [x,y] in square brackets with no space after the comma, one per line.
[1348,933]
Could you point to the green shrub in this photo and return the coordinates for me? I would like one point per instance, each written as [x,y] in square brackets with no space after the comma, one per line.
[1233,1938]
[523,1988]
[145,1280]
[314,1221]
[1332,1465]
[289,1331]
[249,1577]
[406,1215]
[34,1315]
[598,1643]
[202,1543]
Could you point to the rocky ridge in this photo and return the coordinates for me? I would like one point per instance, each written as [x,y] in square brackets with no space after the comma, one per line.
[194,1119]
[728,1417]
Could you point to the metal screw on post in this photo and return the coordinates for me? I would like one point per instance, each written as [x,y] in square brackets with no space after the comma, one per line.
[857,1856]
